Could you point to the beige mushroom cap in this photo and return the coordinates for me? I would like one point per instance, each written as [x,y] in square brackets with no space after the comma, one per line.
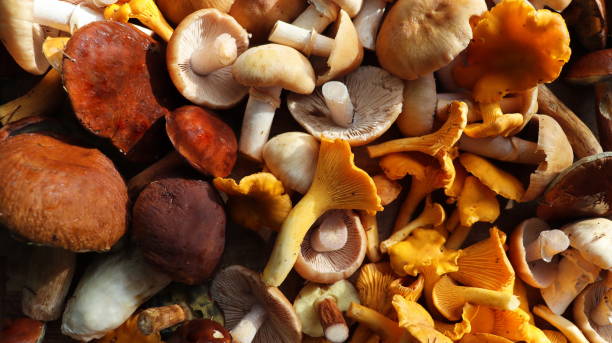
[584,305]
[421,36]
[377,101]
[198,31]
[593,239]
[275,65]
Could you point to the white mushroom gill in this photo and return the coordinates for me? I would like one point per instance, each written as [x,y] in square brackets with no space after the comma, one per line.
[224,53]
[247,328]
[546,246]
[338,102]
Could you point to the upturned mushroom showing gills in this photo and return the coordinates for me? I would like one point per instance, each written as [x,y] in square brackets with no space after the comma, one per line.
[199,58]
[495,64]
[267,69]
[593,310]
[358,108]
[337,184]
[145,11]
[254,312]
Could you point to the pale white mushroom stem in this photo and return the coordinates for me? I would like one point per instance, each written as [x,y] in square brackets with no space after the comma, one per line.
[247,328]
[338,102]
[224,53]
[548,244]
[257,121]
[317,16]
[352,7]
[512,149]
[368,21]
[307,41]
[63,15]
[330,235]
[602,313]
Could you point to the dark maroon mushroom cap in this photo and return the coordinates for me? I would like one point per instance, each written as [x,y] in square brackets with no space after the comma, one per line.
[22,330]
[201,331]
[180,226]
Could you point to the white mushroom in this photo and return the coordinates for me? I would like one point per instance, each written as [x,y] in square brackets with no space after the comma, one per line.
[63,15]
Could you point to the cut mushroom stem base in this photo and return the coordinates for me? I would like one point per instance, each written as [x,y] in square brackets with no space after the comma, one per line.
[63,15]
[368,21]
[308,42]
[156,319]
[546,246]
[338,101]
[247,328]
[317,17]
[224,53]
[602,313]
[257,122]
[334,325]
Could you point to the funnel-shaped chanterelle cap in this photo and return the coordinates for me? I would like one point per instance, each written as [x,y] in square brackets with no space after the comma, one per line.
[338,184]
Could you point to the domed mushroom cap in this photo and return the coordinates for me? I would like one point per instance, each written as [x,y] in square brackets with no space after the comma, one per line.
[258,16]
[377,99]
[199,31]
[593,239]
[420,36]
[179,225]
[61,195]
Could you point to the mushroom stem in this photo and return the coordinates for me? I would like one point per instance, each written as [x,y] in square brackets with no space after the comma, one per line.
[331,235]
[546,246]
[494,122]
[370,225]
[156,319]
[512,149]
[602,313]
[418,191]
[433,214]
[368,21]
[381,325]
[458,237]
[568,328]
[338,102]
[257,121]
[224,53]
[332,321]
[317,16]
[63,15]
[247,328]
[308,42]
[487,297]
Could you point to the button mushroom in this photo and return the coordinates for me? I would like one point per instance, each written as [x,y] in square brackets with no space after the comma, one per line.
[593,310]
[199,58]
[201,331]
[253,311]
[63,15]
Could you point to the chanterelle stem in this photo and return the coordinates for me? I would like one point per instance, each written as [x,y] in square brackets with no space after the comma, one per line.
[548,244]
[247,328]
[338,102]
[223,53]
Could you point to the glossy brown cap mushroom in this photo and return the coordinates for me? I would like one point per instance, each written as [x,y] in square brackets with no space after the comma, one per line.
[116,80]
[591,68]
[201,331]
[22,330]
[206,142]
[179,225]
[588,19]
[61,195]
[593,310]
[334,249]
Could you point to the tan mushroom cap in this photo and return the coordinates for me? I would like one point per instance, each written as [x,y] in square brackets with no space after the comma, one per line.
[421,36]
[593,239]
[198,31]
[176,10]
[584,305]
[237,289]
[331,266]
[275,65]
[258,16]
[377,99]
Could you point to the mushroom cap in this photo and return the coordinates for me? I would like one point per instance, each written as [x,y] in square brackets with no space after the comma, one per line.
[275,65]
[199,31]
[22,330]
[374,286]
[206,142]
[175,11]
[343,292]
[507,36]
[201,330]
[539,273]
[477,203]
[589,22]
[415,318]
[593,239]
[258,16]
[331,266]
[21,37]
[420,36]
[236,289]
[591,68]
[292,158]
[377,99]
[388,190]
[61,195]
[497,180]
[582,190]
[584,305]
[179,225]
[424,248]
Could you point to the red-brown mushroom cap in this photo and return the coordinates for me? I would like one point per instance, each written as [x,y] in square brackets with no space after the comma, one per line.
[179,225]
[22,330]
[206,142]
[201,331]
[591,68]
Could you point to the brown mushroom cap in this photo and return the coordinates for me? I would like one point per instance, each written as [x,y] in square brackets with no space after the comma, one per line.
[258,16]
[180,226]
[237,289]
[61,195]
[208,143]
[336,265]
[582,190]
[22,330]
[176,10]
[583,307]
[199,31]
[116,80]
[591,68]
[201,331]
[588,19]
[377,101]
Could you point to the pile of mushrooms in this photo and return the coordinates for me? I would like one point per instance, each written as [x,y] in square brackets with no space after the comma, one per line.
[487,204]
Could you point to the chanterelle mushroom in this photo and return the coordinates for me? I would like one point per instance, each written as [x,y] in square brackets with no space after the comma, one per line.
[145,11]
[199,58]
[358,108]
[253,311]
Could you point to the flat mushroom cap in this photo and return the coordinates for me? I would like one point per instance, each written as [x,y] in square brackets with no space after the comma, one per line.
[237,289]
[275,65]
[420,36]
[199,31]
[584,304]
[331,266]
[377,99]
[593,239]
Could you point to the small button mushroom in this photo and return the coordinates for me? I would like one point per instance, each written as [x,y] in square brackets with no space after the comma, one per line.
[199,58]
[180,226]
[334,249]
[201,331]
[267,69]
[146,11]
[593,310]
[22,330]
[320,308]
[254,312]
[63,15]
[258,16]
